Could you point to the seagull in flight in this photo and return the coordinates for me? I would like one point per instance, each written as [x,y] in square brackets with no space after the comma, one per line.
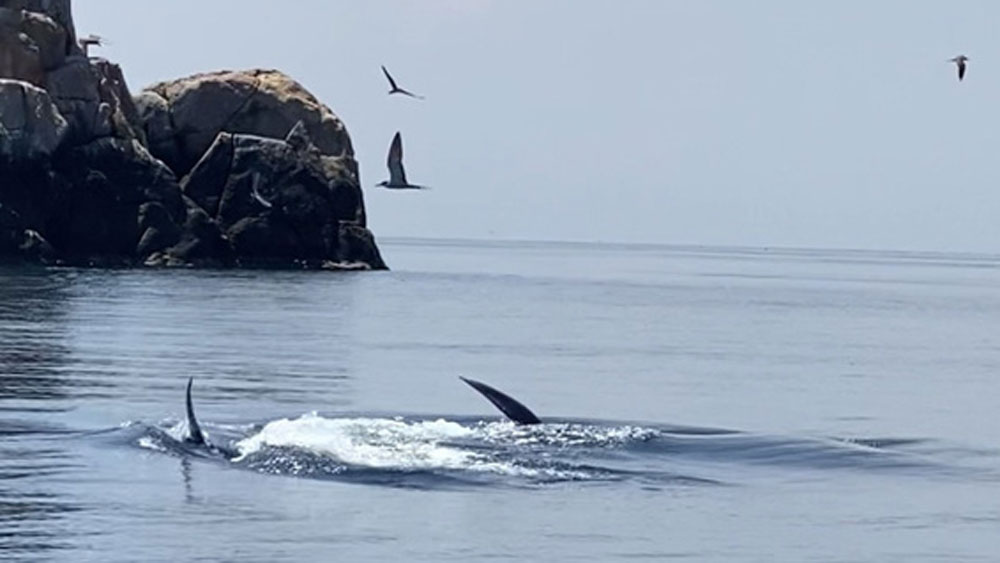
[86,42]
[960,62]
[397,176]
[394,89]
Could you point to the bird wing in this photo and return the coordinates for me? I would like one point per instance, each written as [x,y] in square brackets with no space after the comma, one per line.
[397,176]
[408,93]
[961,70]
[388,76]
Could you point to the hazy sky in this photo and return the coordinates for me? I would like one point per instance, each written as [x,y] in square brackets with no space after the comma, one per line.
[777,123]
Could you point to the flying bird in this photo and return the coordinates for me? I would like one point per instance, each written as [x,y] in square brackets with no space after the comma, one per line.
[397,176]
[86,42]
[960,63]
[394,89]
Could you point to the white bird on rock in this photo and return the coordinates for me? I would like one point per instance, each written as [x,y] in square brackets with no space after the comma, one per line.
[86,42]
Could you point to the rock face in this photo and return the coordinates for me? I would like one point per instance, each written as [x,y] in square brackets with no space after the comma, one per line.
[265,103]
[31,126]
[227,169]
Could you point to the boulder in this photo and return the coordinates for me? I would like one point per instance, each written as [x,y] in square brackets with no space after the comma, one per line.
[16,240]
[158,229]
[34,39]
[59,11]
[280,201]
[31,128]
[201,242]
[266,103]
[92,95]
[20,57]
[153,115]
[107,183]
[48,36]
[356,249]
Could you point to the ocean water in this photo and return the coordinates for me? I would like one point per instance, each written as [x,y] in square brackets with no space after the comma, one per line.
[707,404]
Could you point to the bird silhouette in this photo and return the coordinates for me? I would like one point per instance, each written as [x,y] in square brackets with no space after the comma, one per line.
[395,89]
[960,63]
[397,176]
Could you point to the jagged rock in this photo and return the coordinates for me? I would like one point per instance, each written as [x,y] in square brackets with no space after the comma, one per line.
[30,125]
[259,102]
[49,36]
[35,36]
[357,246]
[207,179]
[154,117]
[108,182]
[60,11]
[20,57]
[123,114]
[16,240]
[201,242]
[33,245]
[135,174]
[159,231]
[279,201]
[92,95]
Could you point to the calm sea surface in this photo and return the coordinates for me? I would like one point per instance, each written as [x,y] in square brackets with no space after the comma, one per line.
[708,404]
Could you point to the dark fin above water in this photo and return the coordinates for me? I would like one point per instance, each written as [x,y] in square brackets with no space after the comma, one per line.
[508,405]
[195,435]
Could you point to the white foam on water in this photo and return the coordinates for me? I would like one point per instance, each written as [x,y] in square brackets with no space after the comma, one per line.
[566,435]
[370,442]
[389,444]
[150,444]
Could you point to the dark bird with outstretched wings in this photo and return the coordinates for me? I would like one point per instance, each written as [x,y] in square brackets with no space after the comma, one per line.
[395,89]
[397,176]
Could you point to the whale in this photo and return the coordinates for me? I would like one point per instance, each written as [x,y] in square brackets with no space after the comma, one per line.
[513,409]
[196,438]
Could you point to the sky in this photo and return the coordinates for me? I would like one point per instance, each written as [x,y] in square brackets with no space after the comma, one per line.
[761,124]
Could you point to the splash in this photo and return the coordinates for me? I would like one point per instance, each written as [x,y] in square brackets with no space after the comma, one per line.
[367,442]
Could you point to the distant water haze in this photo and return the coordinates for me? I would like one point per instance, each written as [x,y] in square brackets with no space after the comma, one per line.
[777,124]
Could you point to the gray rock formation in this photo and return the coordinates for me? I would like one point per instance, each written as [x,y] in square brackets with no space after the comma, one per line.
[279,200]
[31,126]
[258,102]
[226,169]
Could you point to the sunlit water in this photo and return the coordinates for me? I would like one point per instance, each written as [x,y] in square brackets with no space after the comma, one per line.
[701,403]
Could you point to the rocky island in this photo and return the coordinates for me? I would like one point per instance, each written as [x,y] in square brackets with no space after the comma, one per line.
[219,169]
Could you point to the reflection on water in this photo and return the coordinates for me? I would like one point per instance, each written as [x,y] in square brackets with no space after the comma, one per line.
[33,520]
[32,334]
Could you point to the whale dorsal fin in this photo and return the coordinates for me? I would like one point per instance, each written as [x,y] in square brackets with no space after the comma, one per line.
[509,406]
[194,435]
